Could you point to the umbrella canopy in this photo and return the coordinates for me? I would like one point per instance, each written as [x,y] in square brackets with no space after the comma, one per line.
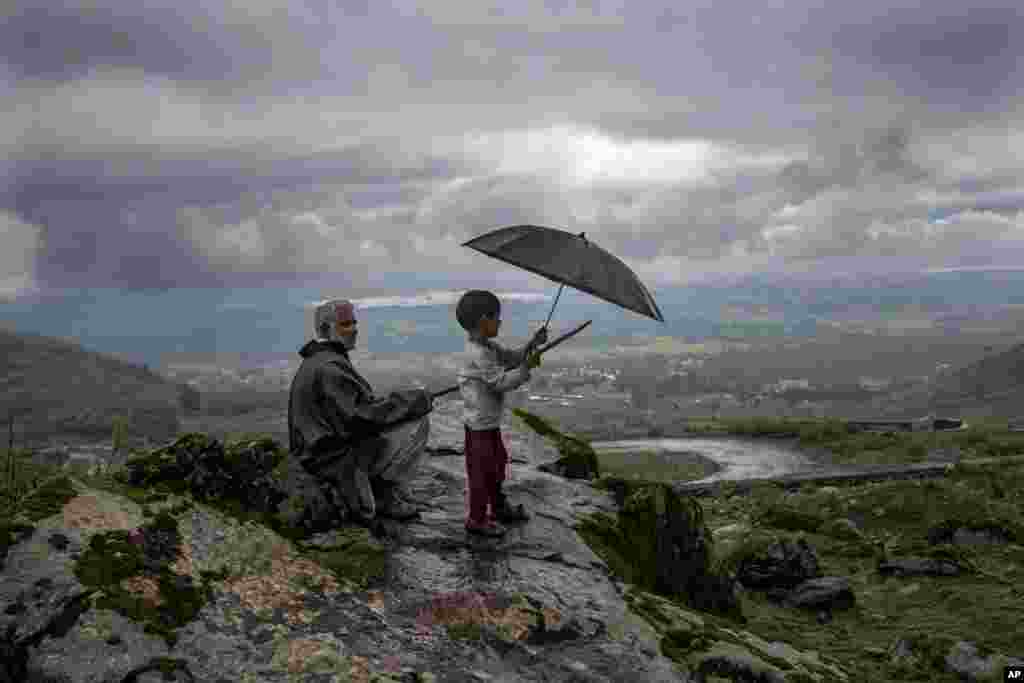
[570,260]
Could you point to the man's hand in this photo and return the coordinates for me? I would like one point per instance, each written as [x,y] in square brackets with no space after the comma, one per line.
[533,361]
[426,399]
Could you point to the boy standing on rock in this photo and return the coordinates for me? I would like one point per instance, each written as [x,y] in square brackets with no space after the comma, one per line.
[490,372]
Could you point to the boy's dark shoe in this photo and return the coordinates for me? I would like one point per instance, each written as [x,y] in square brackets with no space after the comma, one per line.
[488,530]
[508,513]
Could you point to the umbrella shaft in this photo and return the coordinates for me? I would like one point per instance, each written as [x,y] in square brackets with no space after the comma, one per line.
[560,288]
[546,347]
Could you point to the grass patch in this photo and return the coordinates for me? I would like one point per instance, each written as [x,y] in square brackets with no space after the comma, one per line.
[756,426]
[654,466]
[983,439]
[982,606]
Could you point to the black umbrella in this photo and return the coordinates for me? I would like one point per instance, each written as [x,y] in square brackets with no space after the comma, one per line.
[569,259]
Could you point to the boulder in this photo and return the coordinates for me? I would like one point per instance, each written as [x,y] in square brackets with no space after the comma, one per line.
[824,593]
[965,661]
[921,566]
[969,534]
[255,474]
[783,564]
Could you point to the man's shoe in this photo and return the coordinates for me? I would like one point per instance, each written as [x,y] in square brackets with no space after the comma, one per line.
[357,491]
[398,510]
[392,504]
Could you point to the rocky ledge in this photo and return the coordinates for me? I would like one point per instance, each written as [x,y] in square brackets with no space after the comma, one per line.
[202,561]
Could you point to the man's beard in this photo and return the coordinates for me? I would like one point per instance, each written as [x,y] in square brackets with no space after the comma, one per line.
[348,341]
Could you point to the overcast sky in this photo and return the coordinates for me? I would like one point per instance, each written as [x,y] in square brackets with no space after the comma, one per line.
[146,143]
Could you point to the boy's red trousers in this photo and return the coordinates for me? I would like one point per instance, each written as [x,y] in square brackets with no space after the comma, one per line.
[486,460]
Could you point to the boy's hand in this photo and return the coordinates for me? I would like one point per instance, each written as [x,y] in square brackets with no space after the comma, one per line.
[541,337]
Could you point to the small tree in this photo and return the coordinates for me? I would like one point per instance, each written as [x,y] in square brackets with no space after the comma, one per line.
[119,437]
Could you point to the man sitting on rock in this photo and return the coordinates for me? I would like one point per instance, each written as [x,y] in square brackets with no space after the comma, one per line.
[366,447]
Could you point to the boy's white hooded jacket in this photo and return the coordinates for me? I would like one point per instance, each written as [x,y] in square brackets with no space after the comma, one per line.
[488,373]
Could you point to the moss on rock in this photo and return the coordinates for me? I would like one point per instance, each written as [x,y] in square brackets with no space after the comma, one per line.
[660,542]
[351,554]
[709,644]
[628,542]
[788,518]
[48,499]
[578,459]
[113,559]
[729,556]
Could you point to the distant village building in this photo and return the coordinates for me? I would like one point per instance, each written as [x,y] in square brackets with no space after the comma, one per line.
[874,383]
[788,384]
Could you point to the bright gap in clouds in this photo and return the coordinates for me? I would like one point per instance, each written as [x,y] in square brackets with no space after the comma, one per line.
[584,156]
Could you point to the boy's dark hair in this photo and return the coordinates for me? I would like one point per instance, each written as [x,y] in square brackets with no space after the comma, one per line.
[473,306]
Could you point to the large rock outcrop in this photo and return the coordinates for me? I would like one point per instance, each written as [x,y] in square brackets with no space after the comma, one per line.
[658,541]
[129,580]
[170,573]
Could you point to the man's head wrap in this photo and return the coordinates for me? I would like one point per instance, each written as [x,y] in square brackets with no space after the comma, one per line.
[330,312]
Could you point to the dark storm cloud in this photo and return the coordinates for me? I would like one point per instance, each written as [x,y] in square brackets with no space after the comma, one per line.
[956,54]
[126,179]
[63,41]
[160,143]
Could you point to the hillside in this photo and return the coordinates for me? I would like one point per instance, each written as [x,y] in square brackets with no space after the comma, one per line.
[55,387]
[995,382]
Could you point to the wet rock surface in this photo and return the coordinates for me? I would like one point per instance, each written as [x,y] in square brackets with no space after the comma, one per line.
[225,598]
[537,605]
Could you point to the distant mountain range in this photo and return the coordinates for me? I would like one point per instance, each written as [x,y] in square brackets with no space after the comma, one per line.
[268,325]
[52,386]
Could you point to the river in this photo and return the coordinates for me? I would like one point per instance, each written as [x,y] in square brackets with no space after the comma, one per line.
[738,458]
